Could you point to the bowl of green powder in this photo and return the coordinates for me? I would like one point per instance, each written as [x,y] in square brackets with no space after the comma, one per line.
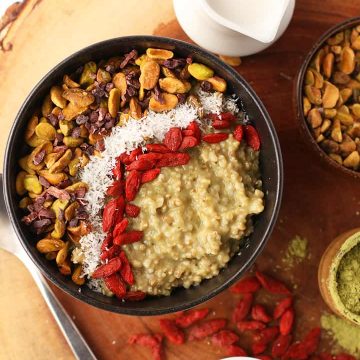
[339,275]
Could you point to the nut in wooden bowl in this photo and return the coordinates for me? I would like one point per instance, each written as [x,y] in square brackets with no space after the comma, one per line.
[328,96]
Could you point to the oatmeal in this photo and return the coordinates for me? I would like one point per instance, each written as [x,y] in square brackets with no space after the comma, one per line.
[195,217]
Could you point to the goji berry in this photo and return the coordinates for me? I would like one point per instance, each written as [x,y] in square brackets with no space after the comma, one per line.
[173,159]
[228,116]
[224,338]
[286,321]
[258,312]
[264,357]
[250,325]
[258,348]
[215,138]
[107,269]
[117,170]
[134,295]
[106,244]
[191,317]
[151,156]
[252,137]
[120,227]
[249,284]
[239,133]
[116,188]
[125,270]
[280,346]
[344,357]
[242,308]
[326,356]
[296,351]
[207,328]
[109,214]
[132,184]
[154,342]
[124,158]
[132,210]
[128,237]
[235,350]
[173,333]
[134,154]
[116,285]
[188,142]
[220,124]
[266,335]
[282,306]
[119,215]
[173,139]
[140,165]
[194,127]
[312,340]
[187,132]
[158,148]
[110,253]
[272,285]
[149,175]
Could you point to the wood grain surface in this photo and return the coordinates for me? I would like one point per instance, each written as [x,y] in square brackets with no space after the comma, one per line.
[318,203]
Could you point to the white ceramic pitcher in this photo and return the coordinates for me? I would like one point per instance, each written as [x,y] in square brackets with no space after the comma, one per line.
[234,27]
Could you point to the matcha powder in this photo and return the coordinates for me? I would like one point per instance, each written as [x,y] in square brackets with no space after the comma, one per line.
[348,280]
[343,333]
[296,251]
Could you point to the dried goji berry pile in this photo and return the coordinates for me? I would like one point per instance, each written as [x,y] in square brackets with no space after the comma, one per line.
[139,167]
[271,334]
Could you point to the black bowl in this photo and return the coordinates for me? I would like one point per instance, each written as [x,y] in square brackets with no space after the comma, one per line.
[271,168]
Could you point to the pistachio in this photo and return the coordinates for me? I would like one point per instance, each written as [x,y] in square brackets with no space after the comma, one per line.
[356,43]
[159,54]
[79,97]
[150,71]
[72,110]
[119,81]
[19,183]
[347,60]
[231,60]
[173,85]
[336,133]
[56,96]
[45,131]
[31,126]
[94,138]
[218,83]
[58,205]
[71,210]
[336,39]
[49,245]
[123,119]
[141,59]
[328,64]
[77,277]
[34,141]
[53,178]
[353,84]
[23,162]
[354,131]
[168,73]
[50,159]
[352,161]
[330,96]
[69,82]
[65,267]
[61,164]
[72,142]
[25,202]
[41,150]
[170,101]
[65,127]
[74,166]
[56,111]
[59,229]
[51,255]
[81,230]
[314,118]
[32,184]
[336,49]
[103,76]
[47,106]
[87,77]
[114,102]
[313,94]
[135,109]
[76,186]
[200,71]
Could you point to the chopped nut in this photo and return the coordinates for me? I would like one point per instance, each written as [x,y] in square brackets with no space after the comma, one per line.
[347,60]
[330,96]
[56,96]
[150,71]
[352,161]
[170,101]
[314,118]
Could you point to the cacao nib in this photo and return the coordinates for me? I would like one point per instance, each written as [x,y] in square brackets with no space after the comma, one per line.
[174,63]
[109,124]
[110,68]
[58,193]
[58,139]
[43,182]
[39,157]
[206,86]
[41,225]
[131,55]
[45,213]
[81,119]
[64,184]
[28,219]
[109,86]
[60,149]
[100,145]
[53,119]
[181,98]
[61,214]
[73,222]
[76,132]
[94,116]
[158,95]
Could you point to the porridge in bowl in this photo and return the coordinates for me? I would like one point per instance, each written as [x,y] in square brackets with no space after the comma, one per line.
[142,175]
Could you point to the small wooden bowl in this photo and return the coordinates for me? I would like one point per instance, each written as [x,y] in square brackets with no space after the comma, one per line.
[328,267]
[349,23]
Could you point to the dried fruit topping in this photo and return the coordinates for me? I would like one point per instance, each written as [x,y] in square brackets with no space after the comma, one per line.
[132,184]
[149,175]
[250,325]
[246,285]
[242,308]
[258,312]
[128,237]
[107,269]
[215,138]
[235,350]
[282,306]
[132,210]
[252,137]
[280,346]
[272,285]
[109,214]
[224,338]
[173,159]
[172,332]
[206,328]
[239,133]
[173,139]
[286,321]
[191,317]
[116,285]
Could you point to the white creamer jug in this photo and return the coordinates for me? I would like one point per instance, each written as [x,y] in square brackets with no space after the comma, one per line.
[234,27]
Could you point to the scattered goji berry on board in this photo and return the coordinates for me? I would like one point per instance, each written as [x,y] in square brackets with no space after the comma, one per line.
[258,312]
[224,338]
[248,284]
[280,345]
[287,321]
[282,306]
[242,308]
[272,285]
[172,332]
[209,327]
[191,317]
[235,350]
[250,325]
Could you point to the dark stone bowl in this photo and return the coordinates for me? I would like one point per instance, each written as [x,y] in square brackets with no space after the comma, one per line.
[271,168]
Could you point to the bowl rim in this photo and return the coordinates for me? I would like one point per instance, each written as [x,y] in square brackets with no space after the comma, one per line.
[187,304]
[299,94]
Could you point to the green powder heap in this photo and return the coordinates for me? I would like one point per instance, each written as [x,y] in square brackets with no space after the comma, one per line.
[296,251]
[343,333]
[348,280]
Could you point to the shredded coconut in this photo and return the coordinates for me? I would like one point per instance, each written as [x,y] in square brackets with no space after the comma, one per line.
[97,173]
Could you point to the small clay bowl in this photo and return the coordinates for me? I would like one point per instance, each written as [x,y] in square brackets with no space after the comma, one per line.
[299,95]
[328,268]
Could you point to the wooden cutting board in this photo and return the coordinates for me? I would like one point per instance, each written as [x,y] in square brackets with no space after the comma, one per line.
[318,203]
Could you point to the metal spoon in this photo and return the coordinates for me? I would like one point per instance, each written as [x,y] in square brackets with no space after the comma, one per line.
[9,242]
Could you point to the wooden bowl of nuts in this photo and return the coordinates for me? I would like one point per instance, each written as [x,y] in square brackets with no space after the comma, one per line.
[328,96]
